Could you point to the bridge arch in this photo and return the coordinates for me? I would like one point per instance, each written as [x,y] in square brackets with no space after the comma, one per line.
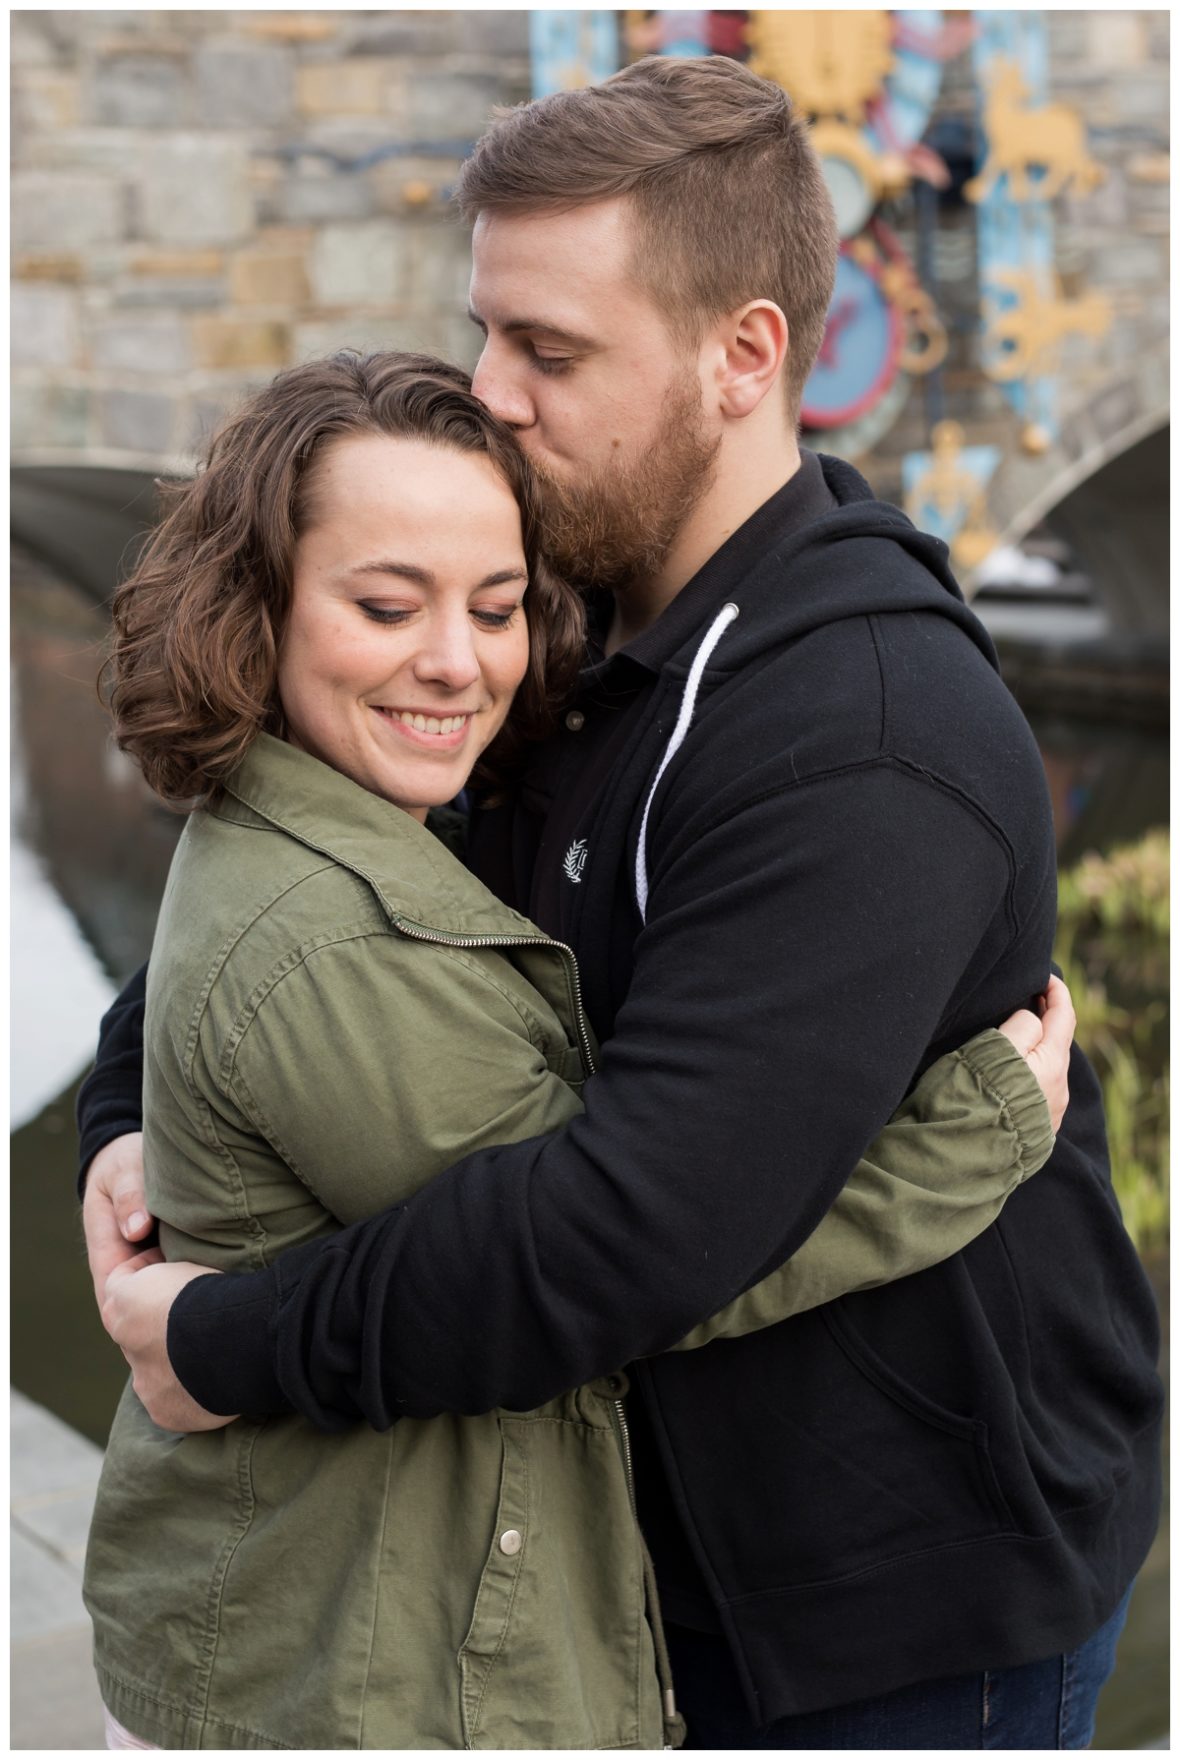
[1104,488]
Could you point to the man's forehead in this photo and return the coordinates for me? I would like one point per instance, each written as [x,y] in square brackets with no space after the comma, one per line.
[564,270]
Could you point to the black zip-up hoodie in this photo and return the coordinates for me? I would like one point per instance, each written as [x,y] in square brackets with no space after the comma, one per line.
[850,870]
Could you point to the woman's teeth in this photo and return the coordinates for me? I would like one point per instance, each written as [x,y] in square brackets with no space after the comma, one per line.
[431,723]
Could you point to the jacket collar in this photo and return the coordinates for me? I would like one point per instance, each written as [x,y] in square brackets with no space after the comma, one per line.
[416,880]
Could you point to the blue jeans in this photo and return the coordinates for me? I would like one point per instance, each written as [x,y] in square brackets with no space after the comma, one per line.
[1038,1705]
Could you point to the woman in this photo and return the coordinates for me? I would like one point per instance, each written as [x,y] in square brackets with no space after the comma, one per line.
[344,614]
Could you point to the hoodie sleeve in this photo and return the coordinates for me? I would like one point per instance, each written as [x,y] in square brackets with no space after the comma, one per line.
[795,965]
[975,1127]
[110,1100]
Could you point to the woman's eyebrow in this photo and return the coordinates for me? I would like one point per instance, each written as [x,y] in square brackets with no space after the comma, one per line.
[424,578]
[505,575]
[407,570]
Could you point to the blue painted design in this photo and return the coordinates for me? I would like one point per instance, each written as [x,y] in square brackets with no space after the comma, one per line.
[858,359]
[1016,235]
[978,462]
[911,87]
[572,49]
[684,33]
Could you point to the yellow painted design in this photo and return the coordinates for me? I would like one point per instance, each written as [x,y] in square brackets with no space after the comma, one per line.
[831,63]
[1036,440]
[1052,138]
[926,339]
[836,140]
[1023,340]
[955,491]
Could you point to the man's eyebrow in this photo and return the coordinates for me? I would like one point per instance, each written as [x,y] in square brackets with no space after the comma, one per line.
[537,327]
[422,577]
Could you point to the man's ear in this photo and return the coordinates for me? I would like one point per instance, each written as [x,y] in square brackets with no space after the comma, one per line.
[751,351]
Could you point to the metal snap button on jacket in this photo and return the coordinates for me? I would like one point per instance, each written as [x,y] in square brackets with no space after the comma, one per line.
[575,721]
[510,1542]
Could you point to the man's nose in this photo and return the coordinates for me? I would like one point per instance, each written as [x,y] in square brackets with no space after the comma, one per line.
[499,387]
[448,656]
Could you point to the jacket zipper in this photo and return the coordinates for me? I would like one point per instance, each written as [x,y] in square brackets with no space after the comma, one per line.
[673,1722]
[674,1727]
[625,1446]
[440,936]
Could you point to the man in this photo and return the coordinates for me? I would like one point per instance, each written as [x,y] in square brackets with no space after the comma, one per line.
[798,836]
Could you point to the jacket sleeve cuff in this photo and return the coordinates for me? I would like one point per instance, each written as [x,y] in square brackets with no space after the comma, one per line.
[1006,1077]
[221,1344]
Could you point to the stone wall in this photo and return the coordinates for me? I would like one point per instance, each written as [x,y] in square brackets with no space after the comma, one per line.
[200,198]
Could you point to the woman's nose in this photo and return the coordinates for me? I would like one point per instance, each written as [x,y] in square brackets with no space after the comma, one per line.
[448,656]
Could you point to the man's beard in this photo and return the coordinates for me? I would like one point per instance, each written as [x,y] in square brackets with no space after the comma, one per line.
[617,525]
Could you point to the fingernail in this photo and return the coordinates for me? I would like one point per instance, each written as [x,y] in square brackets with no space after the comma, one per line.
[136,1220]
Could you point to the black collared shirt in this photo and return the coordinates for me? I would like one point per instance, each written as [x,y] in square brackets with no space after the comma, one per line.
[530,851]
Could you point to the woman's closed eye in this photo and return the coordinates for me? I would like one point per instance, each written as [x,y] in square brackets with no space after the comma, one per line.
[396,614]
[495,619]
[386,613]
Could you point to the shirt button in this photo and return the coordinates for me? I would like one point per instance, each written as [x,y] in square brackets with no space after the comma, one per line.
[510,1542]
[575,721]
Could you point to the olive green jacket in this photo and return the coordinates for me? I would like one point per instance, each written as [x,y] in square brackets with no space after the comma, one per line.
[337,1010]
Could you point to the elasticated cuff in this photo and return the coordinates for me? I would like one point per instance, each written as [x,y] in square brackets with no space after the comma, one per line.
[1006,1076]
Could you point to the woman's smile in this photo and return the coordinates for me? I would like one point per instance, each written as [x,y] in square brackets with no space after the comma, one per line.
[438,732]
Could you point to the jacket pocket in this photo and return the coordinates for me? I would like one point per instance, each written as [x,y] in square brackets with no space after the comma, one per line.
[558,1653]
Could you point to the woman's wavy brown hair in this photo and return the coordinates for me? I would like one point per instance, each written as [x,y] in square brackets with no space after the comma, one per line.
[191,677]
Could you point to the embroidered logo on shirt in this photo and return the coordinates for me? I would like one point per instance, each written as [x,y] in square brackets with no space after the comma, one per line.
[575,861]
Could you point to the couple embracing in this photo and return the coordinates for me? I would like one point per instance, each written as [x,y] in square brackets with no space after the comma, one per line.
[656,1294]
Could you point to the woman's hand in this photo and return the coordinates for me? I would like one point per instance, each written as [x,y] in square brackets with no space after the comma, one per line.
[136,1303]
[114,1210]
[1045,1044]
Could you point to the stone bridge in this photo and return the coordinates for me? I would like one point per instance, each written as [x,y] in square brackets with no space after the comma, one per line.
[200,198]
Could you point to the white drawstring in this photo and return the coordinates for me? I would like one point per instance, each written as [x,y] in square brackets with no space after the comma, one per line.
[717,629]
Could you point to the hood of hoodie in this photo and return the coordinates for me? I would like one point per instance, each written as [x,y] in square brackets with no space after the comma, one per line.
[863,557]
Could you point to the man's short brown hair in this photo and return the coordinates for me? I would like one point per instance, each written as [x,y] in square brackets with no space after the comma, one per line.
[729,198]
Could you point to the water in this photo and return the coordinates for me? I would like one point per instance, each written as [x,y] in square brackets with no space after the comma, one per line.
[91,850]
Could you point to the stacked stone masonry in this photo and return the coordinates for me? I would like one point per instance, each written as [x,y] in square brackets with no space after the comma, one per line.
[200,198]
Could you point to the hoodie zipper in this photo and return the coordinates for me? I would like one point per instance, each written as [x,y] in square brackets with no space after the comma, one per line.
[441,938]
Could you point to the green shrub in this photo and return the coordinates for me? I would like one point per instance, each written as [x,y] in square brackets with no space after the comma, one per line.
[1112,946]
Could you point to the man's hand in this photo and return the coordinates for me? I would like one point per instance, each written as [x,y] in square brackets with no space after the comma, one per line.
[1045,1044]
[114,1210]
[135,1306]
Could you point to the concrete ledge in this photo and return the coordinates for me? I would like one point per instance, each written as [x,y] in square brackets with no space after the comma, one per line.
[54,1698]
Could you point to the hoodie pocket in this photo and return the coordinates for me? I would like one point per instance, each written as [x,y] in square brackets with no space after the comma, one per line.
[951,1487]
